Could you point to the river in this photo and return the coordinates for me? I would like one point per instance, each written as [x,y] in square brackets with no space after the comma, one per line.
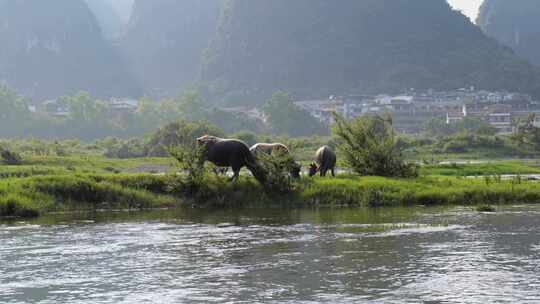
[398,255]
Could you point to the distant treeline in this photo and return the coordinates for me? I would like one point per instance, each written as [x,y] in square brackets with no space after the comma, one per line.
[87,118]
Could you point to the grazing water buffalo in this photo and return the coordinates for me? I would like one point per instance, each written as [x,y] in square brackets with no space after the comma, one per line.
[230,153]
[270,149]
[325,159]
[280,150]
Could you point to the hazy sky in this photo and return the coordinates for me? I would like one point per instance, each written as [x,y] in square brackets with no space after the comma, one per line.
[468,7]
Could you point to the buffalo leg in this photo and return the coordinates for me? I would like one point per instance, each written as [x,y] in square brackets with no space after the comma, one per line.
[236,170]
[235,176]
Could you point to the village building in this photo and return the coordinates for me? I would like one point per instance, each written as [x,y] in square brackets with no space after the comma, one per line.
[122,108]
[410,111]
[249,112]
[54,108]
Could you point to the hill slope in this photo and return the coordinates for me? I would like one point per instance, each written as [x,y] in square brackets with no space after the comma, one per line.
[52,48]
[313,48]
[515,23]
[165,40]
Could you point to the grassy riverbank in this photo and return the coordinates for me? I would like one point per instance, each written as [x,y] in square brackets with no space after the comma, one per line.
[430,190]
[32,196]
[41,185]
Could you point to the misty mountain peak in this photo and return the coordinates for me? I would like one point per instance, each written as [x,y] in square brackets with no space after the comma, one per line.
[51,48]
[514,23]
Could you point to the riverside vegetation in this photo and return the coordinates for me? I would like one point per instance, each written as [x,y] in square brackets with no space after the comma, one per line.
[38,177]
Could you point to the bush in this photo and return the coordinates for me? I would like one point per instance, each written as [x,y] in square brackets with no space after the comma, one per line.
[190,162]
[9,157]
[370,146]
[277,170]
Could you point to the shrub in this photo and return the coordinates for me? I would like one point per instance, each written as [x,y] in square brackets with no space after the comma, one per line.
[277,170]
[370,146]
[9,157]
[190,161]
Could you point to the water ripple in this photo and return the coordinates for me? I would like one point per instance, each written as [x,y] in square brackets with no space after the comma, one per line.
[471,258]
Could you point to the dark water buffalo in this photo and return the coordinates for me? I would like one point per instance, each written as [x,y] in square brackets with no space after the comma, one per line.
[229,153]
[279,150]
[325,159]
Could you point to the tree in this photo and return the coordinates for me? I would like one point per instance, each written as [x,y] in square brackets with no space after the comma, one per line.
[14,113]
[181,133]
[285,118]
[83,108]
[526,133]
[369,146]
[192,106]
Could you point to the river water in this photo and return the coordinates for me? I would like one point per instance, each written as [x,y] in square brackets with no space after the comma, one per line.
[404,255]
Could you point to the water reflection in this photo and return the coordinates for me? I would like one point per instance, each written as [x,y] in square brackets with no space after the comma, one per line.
[274,255]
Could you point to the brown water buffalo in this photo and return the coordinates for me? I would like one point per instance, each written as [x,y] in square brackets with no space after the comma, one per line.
[270,149]
[279,150]
[230,153]
[325,159]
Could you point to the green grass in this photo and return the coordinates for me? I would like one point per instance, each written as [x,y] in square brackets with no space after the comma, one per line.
[487,168]
[39,166]
[33,196]
[27,171]
[96,164]
[432,190]
[475,151]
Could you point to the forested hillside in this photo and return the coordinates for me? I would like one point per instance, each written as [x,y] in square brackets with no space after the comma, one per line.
[165,40]
[313,48]
[52,48]
[515,23]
